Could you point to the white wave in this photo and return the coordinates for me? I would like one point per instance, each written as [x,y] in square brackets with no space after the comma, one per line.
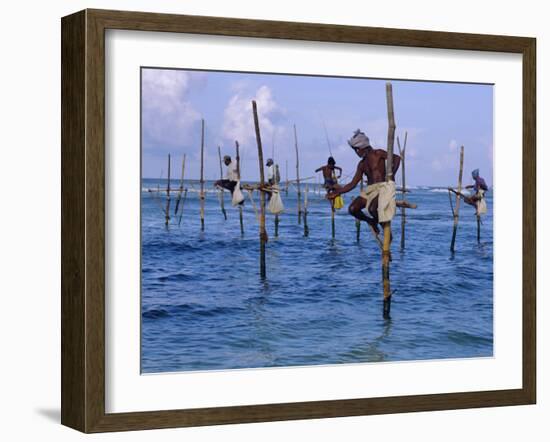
[445,190]
[175,190]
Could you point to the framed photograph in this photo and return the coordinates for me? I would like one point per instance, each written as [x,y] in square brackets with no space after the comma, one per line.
[267,221]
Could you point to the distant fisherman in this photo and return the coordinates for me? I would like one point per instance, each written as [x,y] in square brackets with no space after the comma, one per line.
[232,176]
[273,177]
[329,174]
[379,197]
[478,198]
[270,172]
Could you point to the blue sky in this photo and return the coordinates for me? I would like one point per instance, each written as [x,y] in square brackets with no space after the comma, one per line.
[439,118]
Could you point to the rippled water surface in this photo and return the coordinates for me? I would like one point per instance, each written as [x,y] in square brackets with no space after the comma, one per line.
[205,307]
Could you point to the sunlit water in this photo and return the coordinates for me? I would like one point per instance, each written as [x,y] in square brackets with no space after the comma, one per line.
[205,307]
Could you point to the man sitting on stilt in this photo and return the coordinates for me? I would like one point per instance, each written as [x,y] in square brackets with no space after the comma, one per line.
[477,199]
[379,197]
[329,174]
[232,177]
[231,180]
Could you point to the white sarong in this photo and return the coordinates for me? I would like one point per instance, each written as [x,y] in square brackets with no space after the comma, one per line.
[481,205]
[238,196]
[385,191]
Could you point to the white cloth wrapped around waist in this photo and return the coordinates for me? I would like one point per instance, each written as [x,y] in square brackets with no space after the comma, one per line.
[238,196]
[481,204]
[385,191]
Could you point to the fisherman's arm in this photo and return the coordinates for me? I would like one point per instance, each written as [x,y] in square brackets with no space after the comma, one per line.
[395,163]
[319,169]
[350,186]
[340,169]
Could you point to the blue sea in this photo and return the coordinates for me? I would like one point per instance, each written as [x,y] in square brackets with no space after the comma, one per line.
[205,307]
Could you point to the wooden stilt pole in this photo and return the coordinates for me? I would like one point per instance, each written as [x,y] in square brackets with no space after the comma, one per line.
[178,201]
[277,226]
[238,159]
[357,222]
[167,211]
[286,184]
[263,233]
[299,196]
[182,203]
[332,219]
[306,227]
[387,225]
[277,176]
[403,187]
[457,203]
[202,196]
[478,229]
[222,196]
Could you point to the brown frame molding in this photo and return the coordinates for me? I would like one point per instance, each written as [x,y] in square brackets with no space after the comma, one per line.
[83,218]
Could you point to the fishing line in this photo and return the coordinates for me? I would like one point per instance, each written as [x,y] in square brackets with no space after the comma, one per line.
[326,136]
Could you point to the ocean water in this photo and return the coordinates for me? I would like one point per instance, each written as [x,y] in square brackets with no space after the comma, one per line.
[204,306]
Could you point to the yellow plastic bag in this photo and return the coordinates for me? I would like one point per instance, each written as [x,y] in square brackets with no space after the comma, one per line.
[338,202]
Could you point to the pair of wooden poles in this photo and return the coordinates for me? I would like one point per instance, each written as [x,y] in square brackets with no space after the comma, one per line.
[456,209]
[302,212]
[263,232]
[222,198]
[387,226]
[386,247]
[182,194]
[222,193]
[386,252]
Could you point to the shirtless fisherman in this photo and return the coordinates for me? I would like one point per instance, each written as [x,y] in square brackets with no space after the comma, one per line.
[329,174]
[379,197]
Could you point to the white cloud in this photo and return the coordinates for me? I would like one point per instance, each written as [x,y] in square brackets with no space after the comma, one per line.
[437,165]
[240,85]
[446,162]
[413,153]
[238,122]
[167,113]
[453,145]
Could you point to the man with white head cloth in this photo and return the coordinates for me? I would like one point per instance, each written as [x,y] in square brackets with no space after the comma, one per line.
[379,197]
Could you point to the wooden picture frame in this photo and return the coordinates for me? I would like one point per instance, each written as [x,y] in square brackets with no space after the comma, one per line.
[83,220]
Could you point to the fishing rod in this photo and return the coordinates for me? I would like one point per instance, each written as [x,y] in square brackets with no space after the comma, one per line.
[326,136]
[273,146]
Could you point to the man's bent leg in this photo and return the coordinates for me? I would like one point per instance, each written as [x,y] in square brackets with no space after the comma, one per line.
[356,210]
[231,186]
[226,184]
